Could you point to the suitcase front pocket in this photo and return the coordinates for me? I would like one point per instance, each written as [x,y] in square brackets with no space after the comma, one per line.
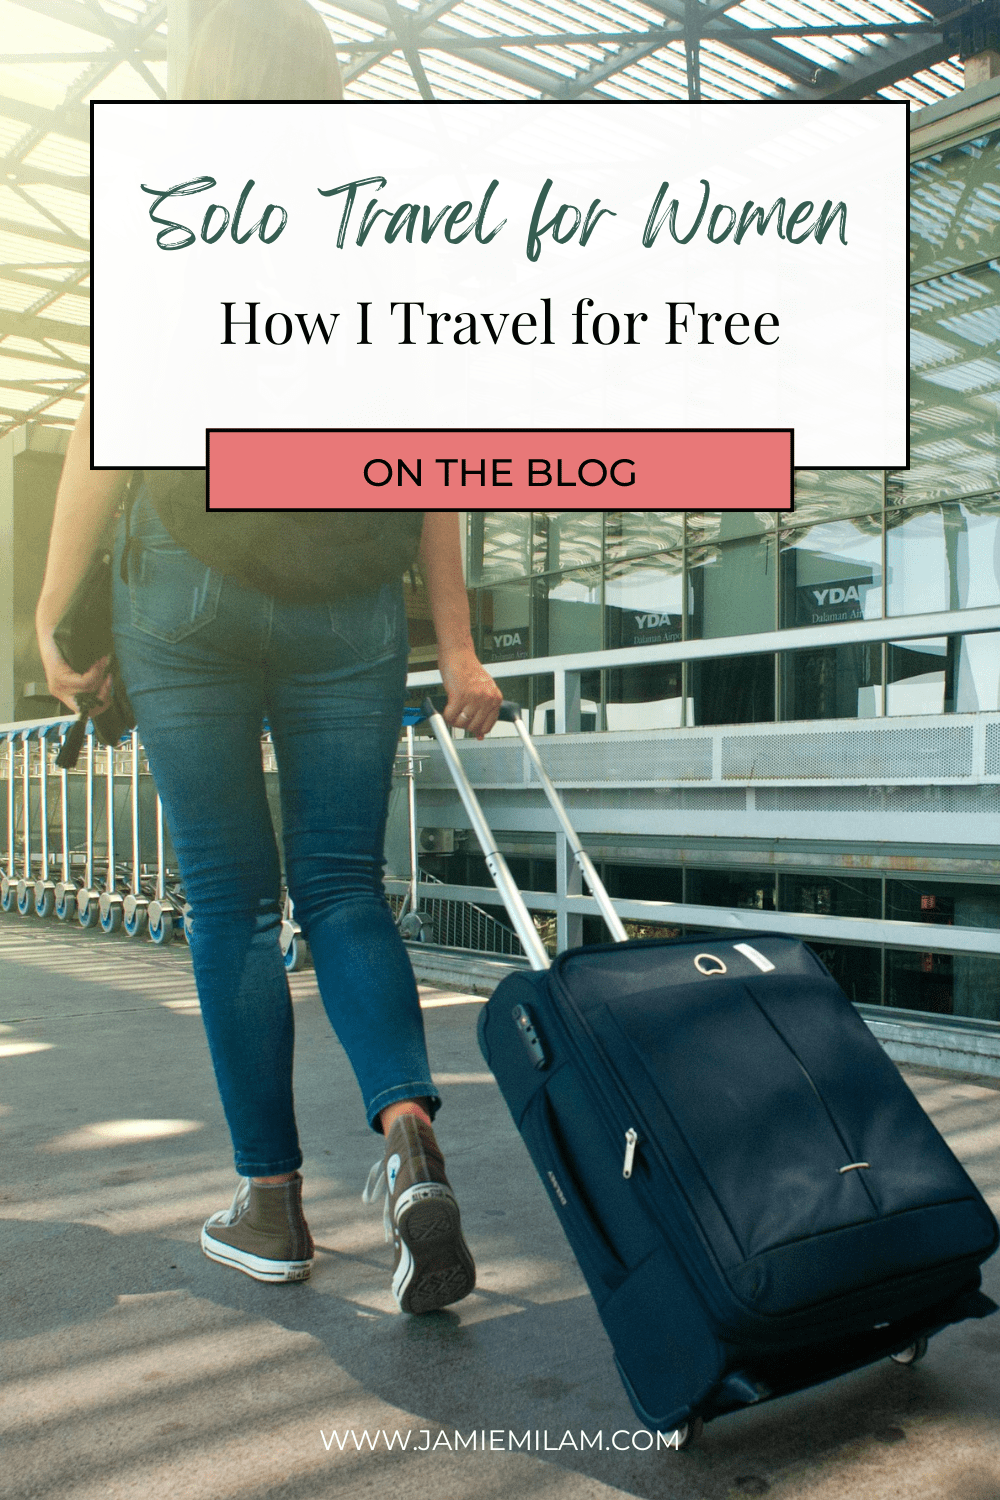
[575,1206]
[746,1133]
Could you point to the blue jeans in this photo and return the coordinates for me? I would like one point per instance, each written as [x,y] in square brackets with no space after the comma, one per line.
[205,660]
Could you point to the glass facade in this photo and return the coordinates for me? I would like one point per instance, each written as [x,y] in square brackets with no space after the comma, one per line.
[855,548]
[859,546]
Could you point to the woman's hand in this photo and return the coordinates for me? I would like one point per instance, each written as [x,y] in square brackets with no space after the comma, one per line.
[63,682]
[473,697]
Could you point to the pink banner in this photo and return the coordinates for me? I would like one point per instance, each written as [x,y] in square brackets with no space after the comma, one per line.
[699,469]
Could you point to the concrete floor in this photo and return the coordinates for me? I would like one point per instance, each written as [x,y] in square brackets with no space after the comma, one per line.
[134,1367]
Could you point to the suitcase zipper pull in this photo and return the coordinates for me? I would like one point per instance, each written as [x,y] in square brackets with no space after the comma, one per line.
[631,1141]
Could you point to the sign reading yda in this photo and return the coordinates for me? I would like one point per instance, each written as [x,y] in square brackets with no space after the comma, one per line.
[826,603]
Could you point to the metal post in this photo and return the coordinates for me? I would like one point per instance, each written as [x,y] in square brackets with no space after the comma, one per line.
[10,805]
[25,884]
[160,884]
[43,799]
[411,795]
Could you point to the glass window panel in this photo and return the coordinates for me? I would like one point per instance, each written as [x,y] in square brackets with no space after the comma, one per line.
[944,557]
[646,697]
[828,494]
[724,525]
[753,889]
[832,572]
[505,623]
[965,984]
[731,587]
[527,693]
[644,882]
[644,603]
[633,533]
[834,682]
[857,970]
[954,387]
[566,539]
[955,207]
[977,689]
[735,690]
[500,545]
[566,614]
[918,677]
[831,895]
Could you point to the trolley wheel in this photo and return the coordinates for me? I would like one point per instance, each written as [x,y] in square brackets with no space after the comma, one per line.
[161,928]
[689,1433]
[88,911]
[111,918]
[417,927]
[296,955]
[65,902]
[45,900]
[912,1353]
[8,893]
[136,921]
[25,897]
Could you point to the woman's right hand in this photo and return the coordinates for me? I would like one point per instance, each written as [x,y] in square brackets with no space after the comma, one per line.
[63,682]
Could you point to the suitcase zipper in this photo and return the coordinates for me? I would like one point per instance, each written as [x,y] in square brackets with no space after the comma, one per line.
[631,1141]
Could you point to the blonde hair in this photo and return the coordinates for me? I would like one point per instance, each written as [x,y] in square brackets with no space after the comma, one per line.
[263,49]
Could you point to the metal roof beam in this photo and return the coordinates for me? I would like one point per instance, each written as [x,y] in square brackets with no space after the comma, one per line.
[73,121]
[27,176]
[57,288]
[867,75]
[33,327]
[43,233]
[73,367]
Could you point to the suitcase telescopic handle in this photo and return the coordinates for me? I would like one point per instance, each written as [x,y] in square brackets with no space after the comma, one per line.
[510,713]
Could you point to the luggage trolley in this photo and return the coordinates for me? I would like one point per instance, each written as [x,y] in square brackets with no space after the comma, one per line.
[88,897]
[64,895]
[136,905]
[45,888]
[8,880]
[163,913]
[25,885]
[110,903]
[414,925]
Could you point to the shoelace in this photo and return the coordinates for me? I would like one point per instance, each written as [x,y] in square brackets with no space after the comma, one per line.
[375,1185]
[240,1200]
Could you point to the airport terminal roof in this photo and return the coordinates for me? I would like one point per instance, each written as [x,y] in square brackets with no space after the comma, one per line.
[59,54]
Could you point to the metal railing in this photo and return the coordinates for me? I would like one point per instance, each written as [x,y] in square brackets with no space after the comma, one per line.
[35,856]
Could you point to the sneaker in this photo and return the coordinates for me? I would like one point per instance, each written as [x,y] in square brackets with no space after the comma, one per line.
[263,1233]
[433,1266]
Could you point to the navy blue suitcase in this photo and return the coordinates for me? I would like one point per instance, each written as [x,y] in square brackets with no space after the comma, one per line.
[755,1197]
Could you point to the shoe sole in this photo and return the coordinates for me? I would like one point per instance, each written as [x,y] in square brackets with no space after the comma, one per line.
[435,1267]
[257,1266]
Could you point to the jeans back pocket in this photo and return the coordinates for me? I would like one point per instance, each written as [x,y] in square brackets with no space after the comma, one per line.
[172,593]
[370,624]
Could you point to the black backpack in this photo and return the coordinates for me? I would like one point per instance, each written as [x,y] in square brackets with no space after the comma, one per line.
[315,556]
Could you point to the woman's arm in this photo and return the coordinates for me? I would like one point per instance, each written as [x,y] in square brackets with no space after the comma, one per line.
[473,697]
[84,503]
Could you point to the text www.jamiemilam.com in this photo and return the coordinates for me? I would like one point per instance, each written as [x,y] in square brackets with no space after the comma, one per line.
[496,1440]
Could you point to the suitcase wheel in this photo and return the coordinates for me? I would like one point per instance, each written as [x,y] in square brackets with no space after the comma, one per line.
[912,1353]
[689,1433]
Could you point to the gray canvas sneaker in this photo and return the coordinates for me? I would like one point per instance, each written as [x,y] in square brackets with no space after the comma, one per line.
[263,1233]
[433,1266]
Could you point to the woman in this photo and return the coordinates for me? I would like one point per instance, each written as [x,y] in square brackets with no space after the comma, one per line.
[215,629]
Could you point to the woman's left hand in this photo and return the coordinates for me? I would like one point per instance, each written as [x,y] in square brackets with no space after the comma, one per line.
[473,697]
